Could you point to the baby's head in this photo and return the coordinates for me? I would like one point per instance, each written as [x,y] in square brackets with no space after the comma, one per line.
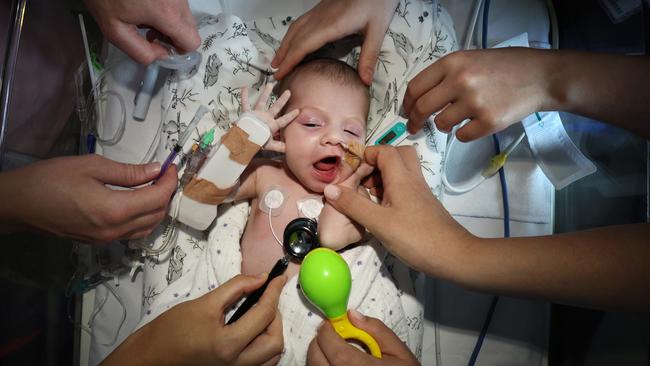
[333,103]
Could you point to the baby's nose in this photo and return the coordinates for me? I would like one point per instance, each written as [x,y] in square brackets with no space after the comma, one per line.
[332,138]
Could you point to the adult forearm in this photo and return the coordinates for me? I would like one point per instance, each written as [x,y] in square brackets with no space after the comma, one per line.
[10,204]
[611,88]
[604,268]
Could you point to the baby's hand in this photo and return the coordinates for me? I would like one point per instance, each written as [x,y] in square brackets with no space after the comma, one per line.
[268,116]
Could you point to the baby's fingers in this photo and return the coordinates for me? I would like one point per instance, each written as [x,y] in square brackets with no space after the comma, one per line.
[277,106]
[245,106]
[275,145]
[287,118]
[264,98]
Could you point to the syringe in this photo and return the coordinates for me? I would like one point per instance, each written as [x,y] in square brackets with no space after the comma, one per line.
[181,140]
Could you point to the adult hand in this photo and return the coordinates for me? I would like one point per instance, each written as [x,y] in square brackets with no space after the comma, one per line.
[68,197]
[493,88]
[194,333]
[331,20]
[328,348]
[119,20]
[417,221]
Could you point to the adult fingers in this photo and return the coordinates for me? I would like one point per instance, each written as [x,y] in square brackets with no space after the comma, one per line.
[180,27]
[449,117]
[120,174]
[315,356]
[357,207]
[389,161]
[300,46]
[411,160]
[369,52]
[473,130]
[266,347]
[143,225]
[233,290]
[430,102]
[336,350]
[126,37]
[389,342]
[149,198]
[423,82]
[287,40]
[362,171]
[251,324]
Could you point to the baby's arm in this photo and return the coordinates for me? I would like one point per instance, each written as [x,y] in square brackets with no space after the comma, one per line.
[241,151]
[335,230]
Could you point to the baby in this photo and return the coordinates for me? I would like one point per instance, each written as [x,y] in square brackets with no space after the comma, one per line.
[328,107]
[322,123]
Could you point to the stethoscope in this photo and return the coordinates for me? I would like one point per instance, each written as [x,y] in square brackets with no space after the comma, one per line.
[300,238]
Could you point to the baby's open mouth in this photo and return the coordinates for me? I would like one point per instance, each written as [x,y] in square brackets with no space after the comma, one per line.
[327,164]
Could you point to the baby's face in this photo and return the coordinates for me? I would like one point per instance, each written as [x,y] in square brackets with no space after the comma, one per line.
[329,113]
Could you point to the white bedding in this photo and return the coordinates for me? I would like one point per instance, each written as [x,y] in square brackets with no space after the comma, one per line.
[518,332]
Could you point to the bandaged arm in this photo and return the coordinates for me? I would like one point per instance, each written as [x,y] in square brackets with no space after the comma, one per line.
[216,182]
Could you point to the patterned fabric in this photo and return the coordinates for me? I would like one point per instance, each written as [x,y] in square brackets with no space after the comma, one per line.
[237,54]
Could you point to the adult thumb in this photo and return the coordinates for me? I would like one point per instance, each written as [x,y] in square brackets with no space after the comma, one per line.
[355,206]
[126,175]
[369,53]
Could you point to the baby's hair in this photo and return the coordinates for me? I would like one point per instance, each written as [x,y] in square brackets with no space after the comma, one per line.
[329,68]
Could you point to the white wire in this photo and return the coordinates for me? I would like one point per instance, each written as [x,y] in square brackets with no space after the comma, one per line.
[273,231]
[169,239]
[155,142]
[119,299]
[92,110]
[471,24]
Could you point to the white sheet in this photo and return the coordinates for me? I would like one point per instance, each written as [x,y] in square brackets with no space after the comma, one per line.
[518,331]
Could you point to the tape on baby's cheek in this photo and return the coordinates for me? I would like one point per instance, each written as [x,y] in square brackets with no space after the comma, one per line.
[241,148]
[204,191]
[353,156]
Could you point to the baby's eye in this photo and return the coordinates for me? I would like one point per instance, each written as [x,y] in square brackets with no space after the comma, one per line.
[352,132]
[311,123]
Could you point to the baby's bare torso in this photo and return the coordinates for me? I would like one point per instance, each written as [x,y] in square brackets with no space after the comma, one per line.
[260,250]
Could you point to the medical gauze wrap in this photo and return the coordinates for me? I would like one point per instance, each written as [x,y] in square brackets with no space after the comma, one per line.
[558,157]
[354,154]
[217,179]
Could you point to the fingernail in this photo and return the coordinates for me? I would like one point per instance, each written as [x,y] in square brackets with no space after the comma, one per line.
[357,315]
[261,275]
[152,168]
[332,192]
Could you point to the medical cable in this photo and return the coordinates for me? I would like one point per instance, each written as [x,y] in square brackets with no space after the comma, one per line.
[273,231]
[499,160]
[471,24]
[94,112]
[122,321]
[506,210]
[167,239]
